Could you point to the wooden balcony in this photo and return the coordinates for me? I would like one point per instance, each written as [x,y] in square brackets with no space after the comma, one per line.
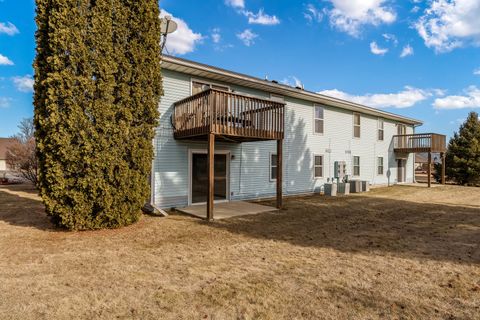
[423,142]
[233,117]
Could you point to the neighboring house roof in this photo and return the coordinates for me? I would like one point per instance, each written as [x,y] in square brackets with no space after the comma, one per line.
[4,143]
[211,72]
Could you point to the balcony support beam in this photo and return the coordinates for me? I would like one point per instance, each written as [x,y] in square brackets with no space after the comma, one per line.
[429,170]
[211,175]
[444,164]
[279,173]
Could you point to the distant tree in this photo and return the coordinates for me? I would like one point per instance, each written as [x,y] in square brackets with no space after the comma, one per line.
[97,89]
[21,153]
[463,154]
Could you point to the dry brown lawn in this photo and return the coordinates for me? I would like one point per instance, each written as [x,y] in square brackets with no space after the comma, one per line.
[394,253]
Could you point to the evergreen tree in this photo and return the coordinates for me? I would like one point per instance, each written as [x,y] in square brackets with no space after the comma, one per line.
[97,88]
[463,154]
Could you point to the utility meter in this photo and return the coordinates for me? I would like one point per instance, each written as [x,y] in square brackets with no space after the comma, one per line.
[340,170]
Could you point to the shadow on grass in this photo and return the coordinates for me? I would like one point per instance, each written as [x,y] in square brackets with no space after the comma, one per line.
[370,224]
[21,206]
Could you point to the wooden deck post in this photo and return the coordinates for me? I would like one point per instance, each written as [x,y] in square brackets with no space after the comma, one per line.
[211,175]
[443,166]
[279,173]
[429,170]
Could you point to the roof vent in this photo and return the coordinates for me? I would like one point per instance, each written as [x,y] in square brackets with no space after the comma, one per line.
[275,81]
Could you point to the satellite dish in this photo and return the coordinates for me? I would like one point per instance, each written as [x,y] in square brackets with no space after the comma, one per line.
[167,25]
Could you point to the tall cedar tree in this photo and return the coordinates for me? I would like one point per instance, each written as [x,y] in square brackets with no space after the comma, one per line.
[97,88]
[463,154]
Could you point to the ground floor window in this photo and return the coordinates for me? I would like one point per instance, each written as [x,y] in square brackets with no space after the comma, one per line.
[273,166]
[318,166]
[356,166]
[380,165]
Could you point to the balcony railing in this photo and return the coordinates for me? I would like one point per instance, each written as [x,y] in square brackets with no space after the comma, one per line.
[234,116]
[424,142]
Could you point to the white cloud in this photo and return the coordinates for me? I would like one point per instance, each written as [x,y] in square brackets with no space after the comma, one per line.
[8,28]
[24,84]
[476,72]
[261,18]
[4,61]
[448,24]
[350,15]
[390,38]
[404,99]
[292,81]
[247,37]
[216,36]
[182,41]
[470,99]
[5,102]
[415,9]
[375,49]
[313,14]
[235,3]
[407,51]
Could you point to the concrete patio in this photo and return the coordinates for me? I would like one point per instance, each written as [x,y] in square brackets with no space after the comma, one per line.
[226,210]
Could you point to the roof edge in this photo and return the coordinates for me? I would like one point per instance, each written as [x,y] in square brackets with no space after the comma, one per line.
[291,91]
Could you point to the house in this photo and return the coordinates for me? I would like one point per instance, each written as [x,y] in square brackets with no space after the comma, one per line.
[268,139]
[4,144]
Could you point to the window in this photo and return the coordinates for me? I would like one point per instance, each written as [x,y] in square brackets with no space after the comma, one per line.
[199,86]
[318,166]
[273,167]
[319,114]
[380,166]
[356,166]
[381,129]
[356,125]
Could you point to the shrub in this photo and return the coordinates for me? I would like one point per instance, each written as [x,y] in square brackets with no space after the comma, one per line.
[97,88]
[463,154]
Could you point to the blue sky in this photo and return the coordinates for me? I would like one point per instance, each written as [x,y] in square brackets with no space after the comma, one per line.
[419,58]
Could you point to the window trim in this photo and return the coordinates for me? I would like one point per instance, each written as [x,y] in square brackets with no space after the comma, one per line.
[381,129]
[383,166]
[315,105]
[359,166]
[355,125]
[322,166]
[270,166]
[192,80]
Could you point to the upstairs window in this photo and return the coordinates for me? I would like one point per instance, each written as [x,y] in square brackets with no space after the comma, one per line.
[380,166]
[356,125]
[318,166]
[273,166]
[319,119]
[401,129]
[356,166]
[381,130]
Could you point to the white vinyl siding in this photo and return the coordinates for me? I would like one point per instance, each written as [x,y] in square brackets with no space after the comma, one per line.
[357,119]
[319,119]
[250,170]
